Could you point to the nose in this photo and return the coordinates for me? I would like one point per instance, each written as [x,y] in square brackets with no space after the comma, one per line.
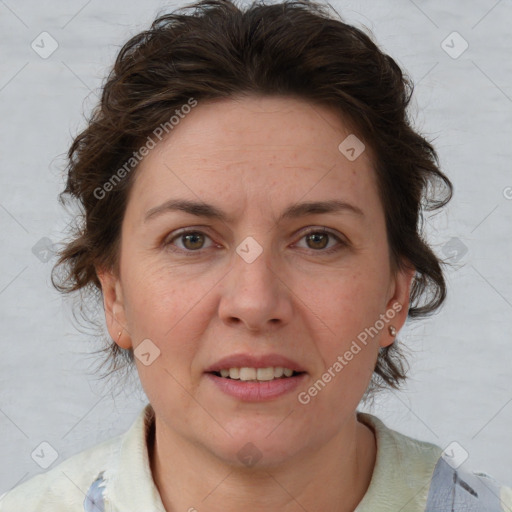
[255,295]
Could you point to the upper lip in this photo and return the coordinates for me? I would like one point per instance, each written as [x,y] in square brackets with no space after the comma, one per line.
[252,361]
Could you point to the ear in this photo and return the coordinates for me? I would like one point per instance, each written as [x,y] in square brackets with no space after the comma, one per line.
[398,302]
[113,304]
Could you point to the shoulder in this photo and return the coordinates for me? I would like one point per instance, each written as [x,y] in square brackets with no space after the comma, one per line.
[402,472]
[64,487]
[411,459]
[414,475]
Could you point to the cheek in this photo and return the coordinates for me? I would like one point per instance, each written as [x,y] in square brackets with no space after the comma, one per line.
[349,349]
[168,306]
[155,290]
[345,312]
[350,300]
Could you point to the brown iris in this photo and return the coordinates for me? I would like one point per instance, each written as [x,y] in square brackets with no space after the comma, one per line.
[196,239]
[315,237]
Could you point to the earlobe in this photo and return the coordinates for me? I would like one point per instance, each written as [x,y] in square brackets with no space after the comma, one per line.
[113,305]
[398,305]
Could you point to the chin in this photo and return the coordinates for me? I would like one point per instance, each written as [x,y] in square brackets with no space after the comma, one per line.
[263,443]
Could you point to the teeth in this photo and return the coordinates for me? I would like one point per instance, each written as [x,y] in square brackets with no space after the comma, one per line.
[256,374]
[265,373]
[246,373]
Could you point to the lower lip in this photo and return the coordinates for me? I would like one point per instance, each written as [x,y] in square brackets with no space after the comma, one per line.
[257,391]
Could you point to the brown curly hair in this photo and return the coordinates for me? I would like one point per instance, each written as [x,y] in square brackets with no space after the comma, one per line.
[213,49]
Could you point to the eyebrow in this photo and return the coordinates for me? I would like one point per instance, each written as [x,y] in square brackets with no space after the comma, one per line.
[212,212]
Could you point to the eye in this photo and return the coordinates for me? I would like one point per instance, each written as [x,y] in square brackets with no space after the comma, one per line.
[193,241]
[317,240]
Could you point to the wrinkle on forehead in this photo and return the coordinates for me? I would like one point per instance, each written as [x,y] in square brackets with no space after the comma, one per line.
[222,149]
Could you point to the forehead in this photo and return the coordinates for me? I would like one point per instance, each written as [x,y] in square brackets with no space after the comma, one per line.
[255,149]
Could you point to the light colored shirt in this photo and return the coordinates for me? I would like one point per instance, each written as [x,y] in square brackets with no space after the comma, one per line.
[115,476]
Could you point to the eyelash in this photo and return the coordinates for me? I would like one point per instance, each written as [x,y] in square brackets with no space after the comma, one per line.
[187,231]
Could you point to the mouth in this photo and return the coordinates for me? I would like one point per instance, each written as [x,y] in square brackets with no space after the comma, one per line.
[256,384]
[255,377]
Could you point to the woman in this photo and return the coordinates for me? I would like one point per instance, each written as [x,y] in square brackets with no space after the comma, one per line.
[252,190]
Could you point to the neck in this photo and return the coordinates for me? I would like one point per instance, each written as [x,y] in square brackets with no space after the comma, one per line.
[332,478]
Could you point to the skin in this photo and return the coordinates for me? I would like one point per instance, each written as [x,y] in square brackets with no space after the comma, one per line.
[252,157]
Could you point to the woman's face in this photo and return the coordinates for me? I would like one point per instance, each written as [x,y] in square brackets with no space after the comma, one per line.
[256,283]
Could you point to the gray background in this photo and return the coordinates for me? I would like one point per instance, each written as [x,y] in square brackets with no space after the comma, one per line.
[461,378]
